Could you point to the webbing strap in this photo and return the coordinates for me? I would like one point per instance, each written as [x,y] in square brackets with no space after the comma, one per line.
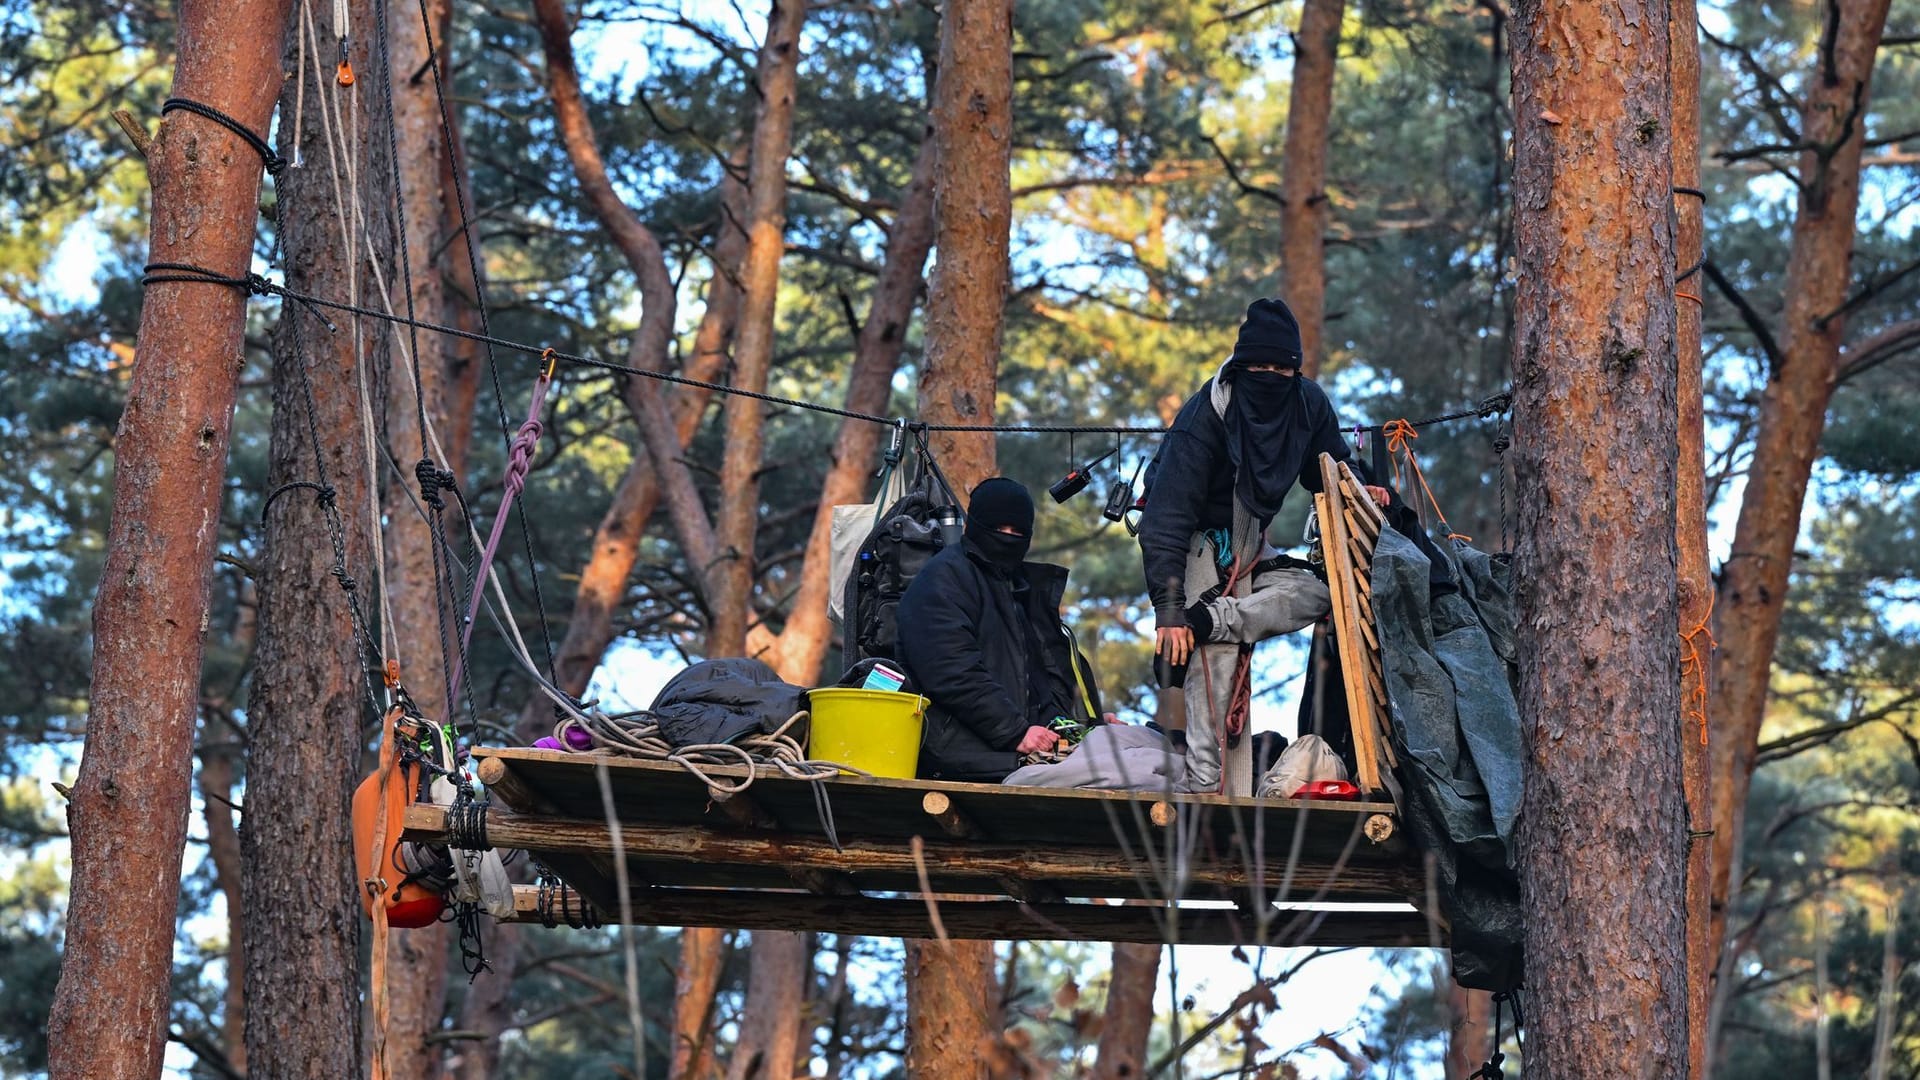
[519,460]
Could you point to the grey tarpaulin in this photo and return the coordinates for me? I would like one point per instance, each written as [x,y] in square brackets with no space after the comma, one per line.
[1445,654]
[720,701]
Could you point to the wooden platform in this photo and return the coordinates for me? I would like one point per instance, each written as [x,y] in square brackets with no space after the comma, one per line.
[1031,862]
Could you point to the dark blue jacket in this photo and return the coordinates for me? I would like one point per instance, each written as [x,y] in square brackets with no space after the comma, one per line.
[964,641]
[1190,488]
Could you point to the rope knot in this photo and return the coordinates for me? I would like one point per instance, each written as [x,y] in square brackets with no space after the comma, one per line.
[1398,434]
[1495,405]
[1502,443]
[520,455]
[432,480]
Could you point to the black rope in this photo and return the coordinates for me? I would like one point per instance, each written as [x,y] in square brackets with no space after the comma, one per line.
[274,162]
[1492,1069]
[467,824]
[466,232]
[1488,407]
[365,644]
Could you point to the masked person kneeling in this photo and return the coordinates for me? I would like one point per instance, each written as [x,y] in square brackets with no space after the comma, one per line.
[981,637]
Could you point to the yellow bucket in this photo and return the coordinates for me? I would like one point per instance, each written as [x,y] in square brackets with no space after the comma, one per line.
[877,731]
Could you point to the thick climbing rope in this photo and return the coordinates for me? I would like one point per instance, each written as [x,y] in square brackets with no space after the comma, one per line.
[519,460]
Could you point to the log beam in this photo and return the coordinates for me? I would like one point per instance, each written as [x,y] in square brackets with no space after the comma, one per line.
[1077,871]
[990,919]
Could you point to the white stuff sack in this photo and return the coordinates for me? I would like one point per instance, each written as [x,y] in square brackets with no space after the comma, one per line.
[1308,759]
[852,524]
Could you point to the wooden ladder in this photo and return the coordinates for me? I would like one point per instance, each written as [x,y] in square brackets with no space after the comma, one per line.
[1350,527]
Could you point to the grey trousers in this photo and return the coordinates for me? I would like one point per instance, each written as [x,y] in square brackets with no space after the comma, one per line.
[1270,604]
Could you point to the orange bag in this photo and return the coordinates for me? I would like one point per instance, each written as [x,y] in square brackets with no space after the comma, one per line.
[379,806]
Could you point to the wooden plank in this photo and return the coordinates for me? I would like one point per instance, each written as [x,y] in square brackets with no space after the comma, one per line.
[1003,920]
[1346,619]
[682,856]
[653,794]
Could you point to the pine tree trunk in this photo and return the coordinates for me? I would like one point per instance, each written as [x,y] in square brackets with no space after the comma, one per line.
[1122,1052]
[1793,413]
[803,641]
[417,959]
[973,211]
[776,991]
[1595,419]
[1690,524]
[1304,210]
[736,522]
[128,815]
[1469,1031]
[949,1008]
[948,1023]
[309,700]
[223,848]
[695,982]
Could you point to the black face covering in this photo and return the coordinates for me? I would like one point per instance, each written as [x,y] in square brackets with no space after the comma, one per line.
[1268,430]
[995,503]
[1001,549]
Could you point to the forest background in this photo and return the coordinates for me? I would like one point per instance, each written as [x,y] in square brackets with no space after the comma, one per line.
[1152,170]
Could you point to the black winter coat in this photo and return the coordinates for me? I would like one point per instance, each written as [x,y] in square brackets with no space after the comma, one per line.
[1190,488]
[963,641]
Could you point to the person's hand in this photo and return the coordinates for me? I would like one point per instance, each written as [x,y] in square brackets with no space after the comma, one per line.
[1037,740]
[1175,643]
[1109,718]
[1380,495]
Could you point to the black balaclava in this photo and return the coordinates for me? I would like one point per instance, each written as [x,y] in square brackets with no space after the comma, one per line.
[996,503]
[1268,422]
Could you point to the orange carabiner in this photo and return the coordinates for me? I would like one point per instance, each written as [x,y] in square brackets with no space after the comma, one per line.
[551,359]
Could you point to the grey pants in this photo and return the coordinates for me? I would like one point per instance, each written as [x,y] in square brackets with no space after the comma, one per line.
[1270,604]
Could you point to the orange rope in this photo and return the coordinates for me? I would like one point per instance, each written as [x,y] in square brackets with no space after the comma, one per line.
[1689,296]
[1400,435]
[1693,669]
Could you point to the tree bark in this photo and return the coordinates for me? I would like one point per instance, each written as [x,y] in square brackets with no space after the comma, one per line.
[950,1010]
[128,814]
[223,847]
[776,991]
[1122,1052]
[695,982]
[1304,210]
[1470,1027]
[745,418]
[948,1023]
[1596,414]
[1690,523]
[803,641]
[973,211]
[1793,413]
[308,703]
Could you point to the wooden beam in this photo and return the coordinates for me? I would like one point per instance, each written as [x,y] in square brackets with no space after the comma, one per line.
[510,789]
[1077,871]
[997,919]
[952,821]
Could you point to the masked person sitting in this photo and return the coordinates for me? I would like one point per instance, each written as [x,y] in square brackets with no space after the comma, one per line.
[981,637]
[1234,451]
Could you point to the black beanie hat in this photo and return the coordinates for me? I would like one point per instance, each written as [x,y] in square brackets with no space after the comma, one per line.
[1270,335]
[1001,502]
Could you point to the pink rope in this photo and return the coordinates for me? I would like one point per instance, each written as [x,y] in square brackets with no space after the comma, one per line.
[519,460]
